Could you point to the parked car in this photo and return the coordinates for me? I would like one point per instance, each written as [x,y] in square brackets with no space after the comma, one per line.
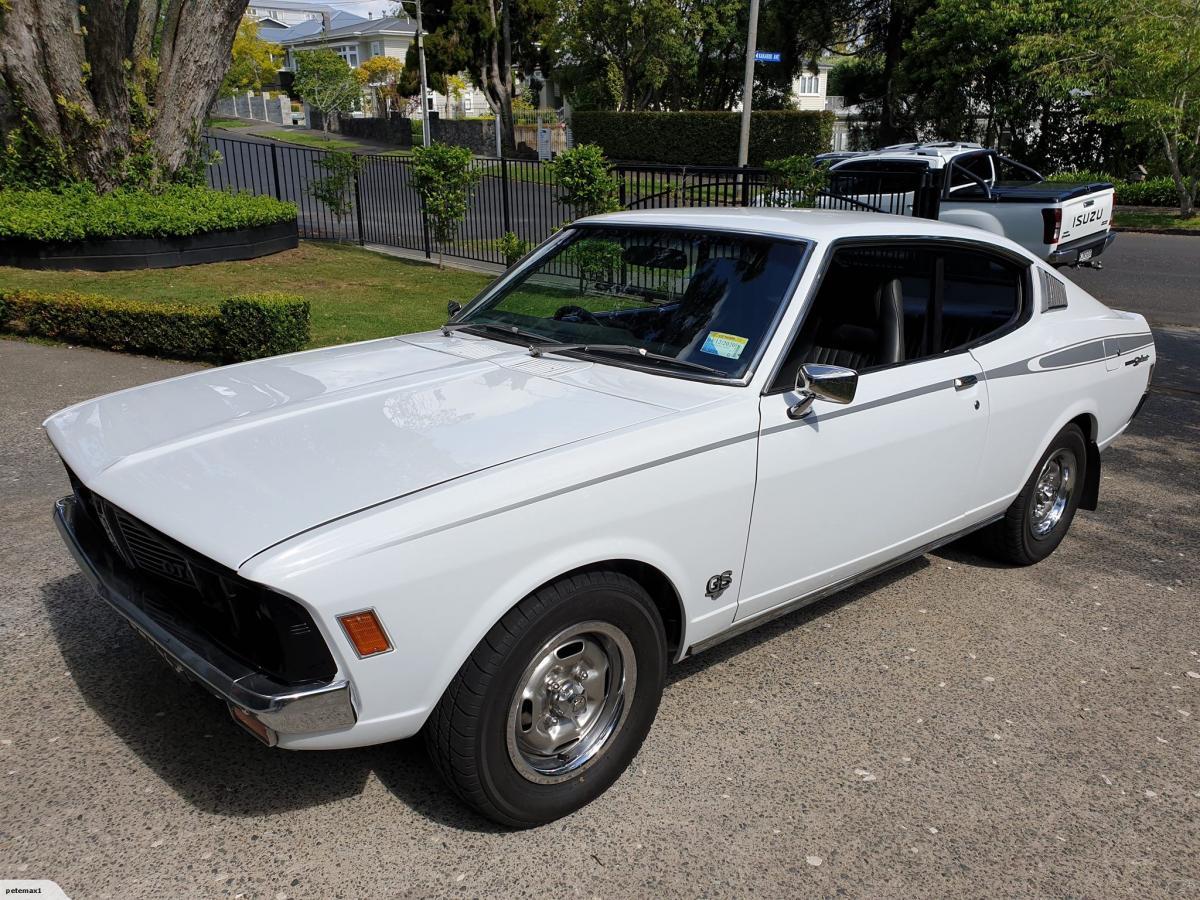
[952,181]
[659,430]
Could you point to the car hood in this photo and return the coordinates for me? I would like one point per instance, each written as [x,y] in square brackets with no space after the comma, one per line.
[233,460]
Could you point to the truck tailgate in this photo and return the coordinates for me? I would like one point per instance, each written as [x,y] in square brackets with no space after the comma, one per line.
[1086,215]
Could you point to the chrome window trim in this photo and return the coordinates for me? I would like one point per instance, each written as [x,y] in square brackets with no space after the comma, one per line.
[1023,316]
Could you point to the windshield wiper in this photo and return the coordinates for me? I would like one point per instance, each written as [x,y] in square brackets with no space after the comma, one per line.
[511,330]
[539,349]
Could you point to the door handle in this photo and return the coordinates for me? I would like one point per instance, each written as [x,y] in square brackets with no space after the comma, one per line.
[965,381]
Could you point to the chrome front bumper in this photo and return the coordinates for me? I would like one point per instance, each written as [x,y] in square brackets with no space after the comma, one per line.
[283,709]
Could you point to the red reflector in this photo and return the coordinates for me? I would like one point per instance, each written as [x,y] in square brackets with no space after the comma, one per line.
[1051,225]
[252,725]
[365,633]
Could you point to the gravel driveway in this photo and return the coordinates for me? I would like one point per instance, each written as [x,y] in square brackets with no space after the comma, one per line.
[950,728]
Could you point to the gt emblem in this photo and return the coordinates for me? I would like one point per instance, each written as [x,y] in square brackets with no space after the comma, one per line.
[717,584]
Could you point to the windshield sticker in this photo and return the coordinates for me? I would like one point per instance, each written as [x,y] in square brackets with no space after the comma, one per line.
[718,343]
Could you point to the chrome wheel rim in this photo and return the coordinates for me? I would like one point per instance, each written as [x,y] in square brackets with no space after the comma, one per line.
[571,702]
[1052,493]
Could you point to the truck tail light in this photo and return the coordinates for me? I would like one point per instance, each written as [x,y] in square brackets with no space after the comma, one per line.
[365,632]
[1051,225]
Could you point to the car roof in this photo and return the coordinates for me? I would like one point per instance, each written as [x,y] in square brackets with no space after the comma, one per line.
[818,225]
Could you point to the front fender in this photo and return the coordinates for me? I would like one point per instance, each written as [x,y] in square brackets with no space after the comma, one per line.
[438,590]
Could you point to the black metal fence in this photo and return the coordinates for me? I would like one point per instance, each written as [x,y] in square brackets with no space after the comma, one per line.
[513,195]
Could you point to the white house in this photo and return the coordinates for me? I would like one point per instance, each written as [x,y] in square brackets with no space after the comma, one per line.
[356,40]
[809,90]
[284,13]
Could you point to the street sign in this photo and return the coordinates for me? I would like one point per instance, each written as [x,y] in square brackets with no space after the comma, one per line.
[767,56]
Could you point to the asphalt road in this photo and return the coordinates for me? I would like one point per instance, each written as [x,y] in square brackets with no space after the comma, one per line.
[951,728]
[1157,275]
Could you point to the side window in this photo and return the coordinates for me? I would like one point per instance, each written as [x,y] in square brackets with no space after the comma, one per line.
[872,310]
[980,295]
[881,306]
[962,184]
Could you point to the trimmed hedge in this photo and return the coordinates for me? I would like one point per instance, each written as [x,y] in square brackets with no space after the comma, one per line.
[268,324]
[1151,192]
[702,138]
[79,213]
[245,327]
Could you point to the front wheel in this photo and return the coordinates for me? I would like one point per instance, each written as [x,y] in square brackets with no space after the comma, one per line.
[554,703]
[1037,520]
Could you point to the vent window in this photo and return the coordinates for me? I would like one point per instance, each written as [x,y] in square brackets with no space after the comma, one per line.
[1054,292]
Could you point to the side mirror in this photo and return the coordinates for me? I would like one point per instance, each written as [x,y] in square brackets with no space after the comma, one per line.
[453,308]
[816,382]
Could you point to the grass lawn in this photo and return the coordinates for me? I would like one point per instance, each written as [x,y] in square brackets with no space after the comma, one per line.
[227,123]
[1164,219]
[308,140]
[355,294]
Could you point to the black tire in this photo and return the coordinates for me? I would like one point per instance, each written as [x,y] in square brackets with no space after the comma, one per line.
[467,734]
[1014,539]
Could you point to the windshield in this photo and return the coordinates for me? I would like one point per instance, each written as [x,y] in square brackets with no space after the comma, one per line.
[694,301]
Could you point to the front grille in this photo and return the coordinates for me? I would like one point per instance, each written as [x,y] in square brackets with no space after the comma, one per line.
[183,589]
[140,547]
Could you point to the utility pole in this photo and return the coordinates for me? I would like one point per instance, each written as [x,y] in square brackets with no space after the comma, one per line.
[425,138]
[748,84]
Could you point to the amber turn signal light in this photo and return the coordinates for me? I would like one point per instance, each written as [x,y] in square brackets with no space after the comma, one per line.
[365,632]
[252,725]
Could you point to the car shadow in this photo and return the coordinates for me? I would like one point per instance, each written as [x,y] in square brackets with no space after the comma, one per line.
[791,621]
[186,738]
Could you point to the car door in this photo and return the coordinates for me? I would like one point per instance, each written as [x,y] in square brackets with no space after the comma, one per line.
[847,488]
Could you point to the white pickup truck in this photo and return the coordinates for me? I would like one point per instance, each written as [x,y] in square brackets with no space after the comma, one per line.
[966,184]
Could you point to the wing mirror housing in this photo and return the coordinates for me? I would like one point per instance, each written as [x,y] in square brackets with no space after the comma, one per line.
[835,384]
[453,308]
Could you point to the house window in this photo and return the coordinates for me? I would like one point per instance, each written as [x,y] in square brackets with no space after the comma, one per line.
[348,53]
[377,48]
[808,85]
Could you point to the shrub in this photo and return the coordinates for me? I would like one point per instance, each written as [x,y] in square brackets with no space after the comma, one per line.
[443,177]
[798,179]
[511,247]
[79,213]
[268,324]
[588,187]
[1151,192]
[702,138]
[159,329]
[336,188]
[241,328]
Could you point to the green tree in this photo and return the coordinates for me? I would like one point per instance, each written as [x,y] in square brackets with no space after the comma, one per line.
[325,82]
[254,61]
[1134,63]
[491,40]
[682,54]
[586,184]
[444,177]
[381,75]
[336,187]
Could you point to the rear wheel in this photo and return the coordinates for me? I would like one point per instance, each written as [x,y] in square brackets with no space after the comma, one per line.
[1037,520]
[554,703]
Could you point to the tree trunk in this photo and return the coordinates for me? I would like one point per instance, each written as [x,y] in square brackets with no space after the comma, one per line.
[1171,150]
[79,77]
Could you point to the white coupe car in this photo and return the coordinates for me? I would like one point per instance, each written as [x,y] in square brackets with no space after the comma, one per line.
[659,430]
